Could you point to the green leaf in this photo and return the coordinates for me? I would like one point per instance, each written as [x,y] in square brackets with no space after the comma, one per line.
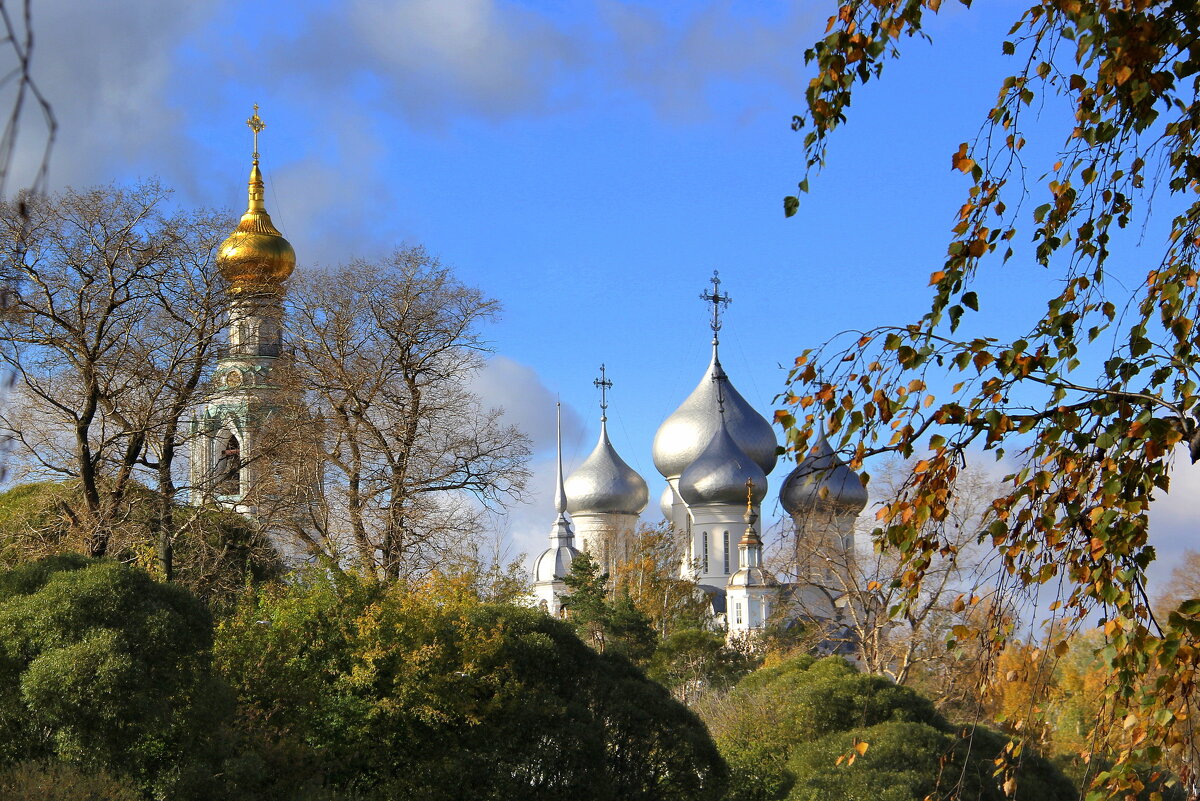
[790,204]
[1190,607]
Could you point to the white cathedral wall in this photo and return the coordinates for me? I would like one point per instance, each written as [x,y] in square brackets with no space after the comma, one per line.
[715,531]
[747,608]
[547,595]
[606,536]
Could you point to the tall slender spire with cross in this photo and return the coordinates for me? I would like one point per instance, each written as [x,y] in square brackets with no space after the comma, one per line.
[603,384]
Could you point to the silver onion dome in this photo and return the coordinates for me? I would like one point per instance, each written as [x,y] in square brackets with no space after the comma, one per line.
[555,562]
[692,426]
[719,474]
[823,469]
[605,483]
[666,503]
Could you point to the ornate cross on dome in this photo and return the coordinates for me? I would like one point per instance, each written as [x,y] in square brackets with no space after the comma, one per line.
[257,125]
[603,384]
[718,300]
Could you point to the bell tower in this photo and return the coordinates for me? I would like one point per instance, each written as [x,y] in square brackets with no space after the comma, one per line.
[229,464]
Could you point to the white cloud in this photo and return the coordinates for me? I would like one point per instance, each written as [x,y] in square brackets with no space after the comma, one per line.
[1173,528]
[106,69]
[530,405]
[675,66]
[431,60]
[136,87]
[527,402]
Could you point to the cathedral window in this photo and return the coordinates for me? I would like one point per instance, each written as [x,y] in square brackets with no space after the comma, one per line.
[726,552]
[738,612]
[229,468]
[705,558]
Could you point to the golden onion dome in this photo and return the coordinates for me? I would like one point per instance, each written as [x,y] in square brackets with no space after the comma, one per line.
[256,257]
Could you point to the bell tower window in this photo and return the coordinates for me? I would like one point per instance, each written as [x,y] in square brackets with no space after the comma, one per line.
[229,468]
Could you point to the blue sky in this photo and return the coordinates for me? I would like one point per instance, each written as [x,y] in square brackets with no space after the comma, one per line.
[588,163]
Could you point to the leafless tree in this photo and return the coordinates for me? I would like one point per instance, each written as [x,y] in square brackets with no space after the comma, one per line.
[853,588]
[108,336]
[385,353]
[175,358]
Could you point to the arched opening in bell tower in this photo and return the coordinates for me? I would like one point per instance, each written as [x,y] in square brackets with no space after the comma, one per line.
[229,468]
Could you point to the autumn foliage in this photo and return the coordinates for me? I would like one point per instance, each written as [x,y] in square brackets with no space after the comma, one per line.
[1095,398]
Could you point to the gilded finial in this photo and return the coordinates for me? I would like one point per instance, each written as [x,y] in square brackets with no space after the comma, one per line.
[603,384]
[256,257]
[257,126]
[751,518]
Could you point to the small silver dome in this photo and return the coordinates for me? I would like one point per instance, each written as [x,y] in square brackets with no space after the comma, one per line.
[752,577]
[719,474]
[666,504]
[822,468]
[605,483]
[691,427]
[555,562]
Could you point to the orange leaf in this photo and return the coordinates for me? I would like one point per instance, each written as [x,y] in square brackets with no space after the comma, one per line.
[959,157]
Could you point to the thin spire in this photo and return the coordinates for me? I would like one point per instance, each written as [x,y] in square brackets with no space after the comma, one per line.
[560,491]
[603,384]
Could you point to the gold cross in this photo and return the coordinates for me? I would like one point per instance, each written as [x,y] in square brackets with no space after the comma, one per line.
[257,125]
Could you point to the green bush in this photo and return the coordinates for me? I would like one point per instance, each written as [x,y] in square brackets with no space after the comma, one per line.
[405,693]
[103,668]
[216,552]
[56,781]
[790,732]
